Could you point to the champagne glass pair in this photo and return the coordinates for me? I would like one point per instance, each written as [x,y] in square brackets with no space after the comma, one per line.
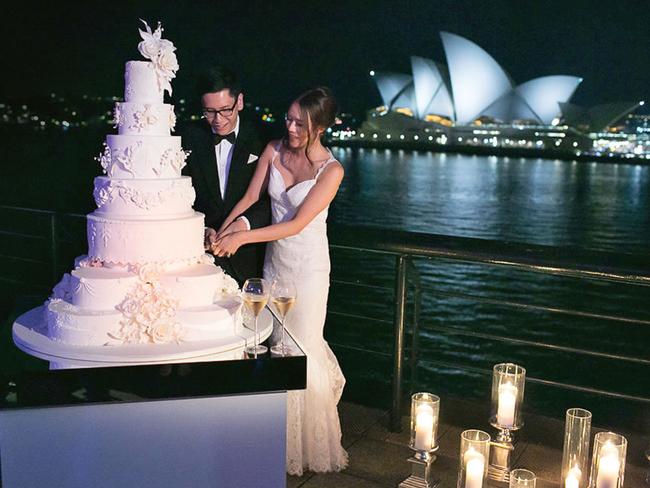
[256,293]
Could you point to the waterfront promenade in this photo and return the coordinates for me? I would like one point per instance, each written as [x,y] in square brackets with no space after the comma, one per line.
[378,456]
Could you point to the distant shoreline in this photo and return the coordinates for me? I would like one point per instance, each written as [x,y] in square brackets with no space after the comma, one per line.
[528,153]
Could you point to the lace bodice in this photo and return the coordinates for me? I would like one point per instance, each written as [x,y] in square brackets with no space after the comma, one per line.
[286,201]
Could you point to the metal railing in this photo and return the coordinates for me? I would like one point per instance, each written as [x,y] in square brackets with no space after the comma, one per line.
[405,247]
[582,264]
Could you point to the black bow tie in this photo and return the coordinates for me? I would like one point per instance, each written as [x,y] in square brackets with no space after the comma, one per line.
[229,137]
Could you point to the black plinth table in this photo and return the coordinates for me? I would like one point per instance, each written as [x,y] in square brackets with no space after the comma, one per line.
[212,423]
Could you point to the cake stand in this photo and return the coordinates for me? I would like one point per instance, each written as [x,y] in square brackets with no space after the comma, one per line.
[30,335]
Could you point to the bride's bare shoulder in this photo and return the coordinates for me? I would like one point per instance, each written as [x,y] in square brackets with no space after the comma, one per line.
[334,170]
[271,149]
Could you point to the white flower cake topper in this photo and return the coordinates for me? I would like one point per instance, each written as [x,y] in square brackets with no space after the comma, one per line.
[161,53]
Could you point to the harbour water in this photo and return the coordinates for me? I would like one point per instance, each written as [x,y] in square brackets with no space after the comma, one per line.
[559,203]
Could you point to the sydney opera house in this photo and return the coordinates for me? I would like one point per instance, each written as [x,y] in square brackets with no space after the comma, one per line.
[473,101]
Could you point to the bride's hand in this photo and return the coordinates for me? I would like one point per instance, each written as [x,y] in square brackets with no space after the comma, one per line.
[227,245]
[235,226]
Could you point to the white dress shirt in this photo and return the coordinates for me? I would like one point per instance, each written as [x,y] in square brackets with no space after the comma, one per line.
[223,151]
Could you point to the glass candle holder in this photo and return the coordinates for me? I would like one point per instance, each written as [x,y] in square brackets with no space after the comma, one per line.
[425,412]
[575,455]
[474,457]
[522,478]
[508,382]
[608,461]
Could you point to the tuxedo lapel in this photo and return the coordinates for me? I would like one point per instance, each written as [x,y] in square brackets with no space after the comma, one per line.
[208,161]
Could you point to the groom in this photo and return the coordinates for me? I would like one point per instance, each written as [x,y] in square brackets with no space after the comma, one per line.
[224,153]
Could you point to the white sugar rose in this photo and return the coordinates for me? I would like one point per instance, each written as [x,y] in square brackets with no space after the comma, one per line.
[163,332]
[149,48]
[166,45]
[229,286]
[167,63]
[129,308]
[149,273]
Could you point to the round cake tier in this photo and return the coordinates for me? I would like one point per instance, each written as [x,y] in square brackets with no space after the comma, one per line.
[141,83]
[76,326]
[195,286]
[140,156]
[101,288]
[153,119]
[144,199]
[144,241]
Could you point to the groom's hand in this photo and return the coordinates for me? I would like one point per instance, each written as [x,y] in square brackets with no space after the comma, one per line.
[209,238]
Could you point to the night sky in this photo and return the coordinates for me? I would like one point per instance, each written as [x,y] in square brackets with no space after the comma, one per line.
[281,48]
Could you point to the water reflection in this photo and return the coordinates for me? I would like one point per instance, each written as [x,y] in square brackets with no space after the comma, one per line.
[592,205]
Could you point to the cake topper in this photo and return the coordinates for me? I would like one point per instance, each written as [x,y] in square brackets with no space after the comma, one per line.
[161,53]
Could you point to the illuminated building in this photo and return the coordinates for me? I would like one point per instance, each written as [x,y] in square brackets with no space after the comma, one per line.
[472,101]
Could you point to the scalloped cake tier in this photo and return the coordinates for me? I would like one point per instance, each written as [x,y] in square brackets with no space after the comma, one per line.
[141,156]
[152,119]
[144,199]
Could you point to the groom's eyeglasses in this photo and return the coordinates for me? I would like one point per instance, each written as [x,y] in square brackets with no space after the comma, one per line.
[211,113]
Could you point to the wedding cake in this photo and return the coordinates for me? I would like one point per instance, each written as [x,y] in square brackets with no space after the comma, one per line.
[146,278]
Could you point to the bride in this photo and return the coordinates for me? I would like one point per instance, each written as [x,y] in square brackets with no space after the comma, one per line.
[302,178]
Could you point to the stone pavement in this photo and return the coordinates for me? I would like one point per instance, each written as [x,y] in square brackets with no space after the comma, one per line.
[378,456]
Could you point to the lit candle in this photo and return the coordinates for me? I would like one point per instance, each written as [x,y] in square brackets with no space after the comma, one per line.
[573,478]
[506,407]
[424,428]
[474,467]
[608,467]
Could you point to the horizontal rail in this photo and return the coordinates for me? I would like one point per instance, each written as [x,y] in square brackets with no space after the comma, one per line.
[362,285]
[24,260]
[564,261]
[531,379]
[539,308]
[40,211]
[543,345]
[24,236]
[362,317]
[338,345]
[15,282]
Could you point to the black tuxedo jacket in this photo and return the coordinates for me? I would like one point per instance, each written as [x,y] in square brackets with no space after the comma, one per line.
[197,137]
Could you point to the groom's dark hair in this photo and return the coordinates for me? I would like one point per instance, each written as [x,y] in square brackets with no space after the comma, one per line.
[218,78]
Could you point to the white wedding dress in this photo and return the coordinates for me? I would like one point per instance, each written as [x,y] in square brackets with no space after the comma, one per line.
[313,427]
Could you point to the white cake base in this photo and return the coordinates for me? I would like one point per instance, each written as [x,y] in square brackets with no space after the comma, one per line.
[29,334]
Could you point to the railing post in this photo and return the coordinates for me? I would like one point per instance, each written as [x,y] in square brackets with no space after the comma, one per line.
[54,246]
[415,339]
[398,352]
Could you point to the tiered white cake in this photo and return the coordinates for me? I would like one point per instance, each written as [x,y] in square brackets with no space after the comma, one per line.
[146,278]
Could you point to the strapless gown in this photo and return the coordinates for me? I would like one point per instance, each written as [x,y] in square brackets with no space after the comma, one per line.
[313,427]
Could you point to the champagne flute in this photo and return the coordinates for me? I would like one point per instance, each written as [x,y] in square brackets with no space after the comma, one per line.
[283,297]
[256,295]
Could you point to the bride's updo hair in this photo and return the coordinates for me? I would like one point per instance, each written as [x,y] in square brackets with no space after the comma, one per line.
[318,106]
